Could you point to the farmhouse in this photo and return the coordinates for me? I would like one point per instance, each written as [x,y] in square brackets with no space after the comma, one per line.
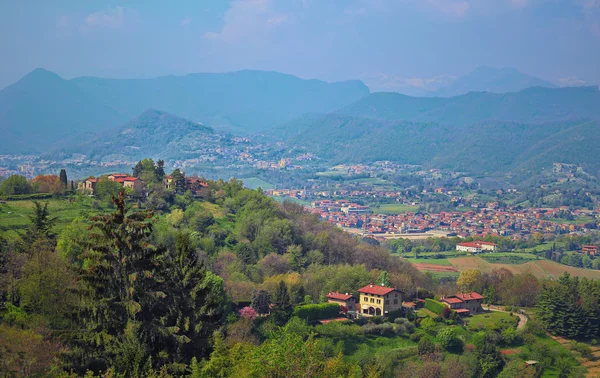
[378,300]
[476,247]
[88,185]
[346,301]
[464,303]
[589,249]
[469,247]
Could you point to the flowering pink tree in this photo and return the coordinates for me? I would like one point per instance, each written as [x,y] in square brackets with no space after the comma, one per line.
[248,313]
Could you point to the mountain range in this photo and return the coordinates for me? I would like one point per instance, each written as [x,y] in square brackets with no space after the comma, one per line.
[479,132]
[190,118]
[482,79]
[43,109]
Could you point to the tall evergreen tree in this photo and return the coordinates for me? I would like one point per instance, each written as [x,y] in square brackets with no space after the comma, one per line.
[282,308]
[179,181]
[123,298]
[160,170]
[197,300]
[63,178]
[41,225]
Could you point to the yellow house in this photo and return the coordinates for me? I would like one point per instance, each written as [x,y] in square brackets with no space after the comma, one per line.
[378,300]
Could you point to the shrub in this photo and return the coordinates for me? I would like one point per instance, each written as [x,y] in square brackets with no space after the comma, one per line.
[581,348]
[385,329]
[339,330]
[428,325]
[449,340]
[404,329]
[425,346]
[416,337]
[434,306]
[312,312]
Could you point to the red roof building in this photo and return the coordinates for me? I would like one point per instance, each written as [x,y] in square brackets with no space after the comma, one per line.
[376,290]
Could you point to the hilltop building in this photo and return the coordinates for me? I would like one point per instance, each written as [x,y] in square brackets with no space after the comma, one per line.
[376,300]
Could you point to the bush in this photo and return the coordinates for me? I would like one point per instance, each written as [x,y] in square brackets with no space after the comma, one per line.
[434,306]
[20,197]
[339,330]
[581,348]
[416,337]
[425,346]
[449,340]
[385,329]
[312,312]
[405,329]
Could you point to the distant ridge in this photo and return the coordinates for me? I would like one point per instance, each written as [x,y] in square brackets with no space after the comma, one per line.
[43,109]
[494,80]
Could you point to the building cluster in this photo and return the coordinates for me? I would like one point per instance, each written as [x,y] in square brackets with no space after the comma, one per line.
[193,184]
[376,300]
[514,222]
[476,247]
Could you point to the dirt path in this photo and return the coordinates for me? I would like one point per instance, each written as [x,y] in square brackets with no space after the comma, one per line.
[522,318]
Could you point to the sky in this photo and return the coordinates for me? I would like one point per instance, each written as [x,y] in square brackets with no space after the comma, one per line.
[412,42]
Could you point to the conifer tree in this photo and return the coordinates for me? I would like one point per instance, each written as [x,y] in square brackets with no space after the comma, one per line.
[63,178]
[283,304]
[123,301]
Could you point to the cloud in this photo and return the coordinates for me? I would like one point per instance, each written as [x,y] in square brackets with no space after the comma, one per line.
[111,19]
[186,21]
[245,19]
[519,3]
[571,81]
[454,8]
[276,20]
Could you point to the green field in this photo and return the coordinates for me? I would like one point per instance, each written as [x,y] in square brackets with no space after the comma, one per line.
[14,214]
[490,318]
[428,261]
[255,183]
[393,208]
[581,220]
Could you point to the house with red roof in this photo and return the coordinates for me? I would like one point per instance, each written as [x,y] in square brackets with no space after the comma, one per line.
[346,301]
[464,303]
[376,300]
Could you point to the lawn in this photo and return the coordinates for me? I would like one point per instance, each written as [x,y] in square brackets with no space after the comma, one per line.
[490,318]
[255,183]
[580,220]
[393,208]
[428,261]
[14,214]
[357,351]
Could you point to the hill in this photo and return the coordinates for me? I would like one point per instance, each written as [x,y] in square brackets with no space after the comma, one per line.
[488,79]
[244,101]
[43,109]
[154,134]
[481,132]
[530,105]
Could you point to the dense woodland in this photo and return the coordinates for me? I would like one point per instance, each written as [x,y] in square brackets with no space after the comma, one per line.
[231,283]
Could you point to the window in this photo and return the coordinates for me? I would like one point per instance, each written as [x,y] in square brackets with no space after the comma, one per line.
[379,301]
[372,300]
[387,302]
[395,301]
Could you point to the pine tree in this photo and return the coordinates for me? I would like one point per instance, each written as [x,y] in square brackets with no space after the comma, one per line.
[261,300]
[123,301]
[283,304]
[160,170]
[179,181]
[383,279]
[63,178]
[41,225]
[138,169]
[196,301]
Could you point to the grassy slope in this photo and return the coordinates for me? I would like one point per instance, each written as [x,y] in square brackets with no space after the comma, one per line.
[539,268]
[14,214]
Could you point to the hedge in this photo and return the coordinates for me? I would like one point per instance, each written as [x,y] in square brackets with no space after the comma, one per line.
[19,197]
[319,311]
[434,306]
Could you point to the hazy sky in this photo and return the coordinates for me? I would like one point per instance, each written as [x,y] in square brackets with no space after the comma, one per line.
[413,40]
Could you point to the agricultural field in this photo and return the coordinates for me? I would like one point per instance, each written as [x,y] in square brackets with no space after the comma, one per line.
[513,261]
[393,208]
[539,268]
[14,215]
[255,183]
